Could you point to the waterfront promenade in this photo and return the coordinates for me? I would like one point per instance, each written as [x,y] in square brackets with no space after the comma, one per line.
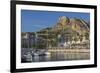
[68,50]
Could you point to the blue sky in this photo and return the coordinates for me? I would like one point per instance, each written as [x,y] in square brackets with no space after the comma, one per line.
[32,21]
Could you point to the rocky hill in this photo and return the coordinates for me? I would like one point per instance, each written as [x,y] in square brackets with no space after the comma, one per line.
[68,25]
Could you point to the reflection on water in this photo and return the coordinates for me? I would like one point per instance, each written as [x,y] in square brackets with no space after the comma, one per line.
[30,55]
[61,56]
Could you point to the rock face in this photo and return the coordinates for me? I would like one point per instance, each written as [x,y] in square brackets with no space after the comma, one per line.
[77,25]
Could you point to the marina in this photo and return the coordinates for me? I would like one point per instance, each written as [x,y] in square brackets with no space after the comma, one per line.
[55,55]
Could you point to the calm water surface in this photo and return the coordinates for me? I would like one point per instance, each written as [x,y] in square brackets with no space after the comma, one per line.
[61,56]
